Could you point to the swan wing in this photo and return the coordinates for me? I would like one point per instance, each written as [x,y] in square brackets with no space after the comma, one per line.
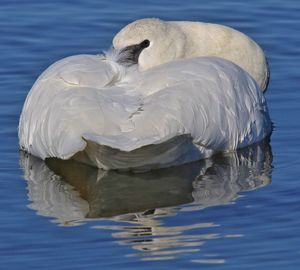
[175,113]
[189,110]
[209,98]
[57,89]
[80,70]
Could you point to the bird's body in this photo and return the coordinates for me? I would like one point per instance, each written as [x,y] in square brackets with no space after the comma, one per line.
[114,116]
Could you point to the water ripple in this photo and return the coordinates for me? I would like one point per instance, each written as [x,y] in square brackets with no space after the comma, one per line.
[75,193]
[113,221]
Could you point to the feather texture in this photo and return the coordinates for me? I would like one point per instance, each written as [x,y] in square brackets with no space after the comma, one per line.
[94,110]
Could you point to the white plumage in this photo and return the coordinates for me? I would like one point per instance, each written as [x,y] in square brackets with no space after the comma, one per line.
[116,114]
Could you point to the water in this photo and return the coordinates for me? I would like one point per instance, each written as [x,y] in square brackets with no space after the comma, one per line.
[239,211]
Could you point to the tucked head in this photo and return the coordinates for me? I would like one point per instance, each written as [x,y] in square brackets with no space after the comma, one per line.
[149,42]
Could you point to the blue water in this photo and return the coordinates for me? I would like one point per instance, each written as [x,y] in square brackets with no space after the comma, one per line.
[239,211]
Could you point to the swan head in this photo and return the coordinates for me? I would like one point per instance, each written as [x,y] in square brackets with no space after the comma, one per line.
[151,42]
[148,43]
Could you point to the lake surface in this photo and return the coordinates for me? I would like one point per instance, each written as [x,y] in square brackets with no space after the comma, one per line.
[234,211]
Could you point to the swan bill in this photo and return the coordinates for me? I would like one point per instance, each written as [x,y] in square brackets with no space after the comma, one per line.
[129,55]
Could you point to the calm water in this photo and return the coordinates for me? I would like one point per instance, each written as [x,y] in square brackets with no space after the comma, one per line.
[239,211]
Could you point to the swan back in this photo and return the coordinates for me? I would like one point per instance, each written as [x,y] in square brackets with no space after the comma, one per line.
[176,113]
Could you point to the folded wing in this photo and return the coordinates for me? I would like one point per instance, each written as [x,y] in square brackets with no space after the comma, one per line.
[178,112]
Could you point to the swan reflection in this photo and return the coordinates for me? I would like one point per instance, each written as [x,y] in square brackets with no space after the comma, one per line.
[72,192]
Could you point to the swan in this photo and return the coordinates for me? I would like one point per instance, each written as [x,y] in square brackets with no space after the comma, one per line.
[167,93]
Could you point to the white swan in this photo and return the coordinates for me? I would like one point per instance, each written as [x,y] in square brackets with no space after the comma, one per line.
[150,102]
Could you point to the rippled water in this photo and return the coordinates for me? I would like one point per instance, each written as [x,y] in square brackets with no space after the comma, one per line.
[233,211]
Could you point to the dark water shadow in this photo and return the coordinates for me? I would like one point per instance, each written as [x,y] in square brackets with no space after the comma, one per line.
[70,191]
